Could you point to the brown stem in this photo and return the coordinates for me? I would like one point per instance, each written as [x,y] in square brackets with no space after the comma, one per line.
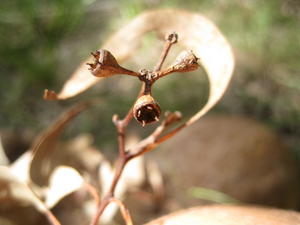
[46,211]
[170,40]
[51,218]
[124,211]
[130,72]
[100,210]
[93,192]
[129,114]
[144,146]
[153,140]
[122,160]
[141,148]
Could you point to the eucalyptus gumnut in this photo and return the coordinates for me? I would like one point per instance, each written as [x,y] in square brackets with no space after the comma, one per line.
[146,110]
[106,65]
[186,61]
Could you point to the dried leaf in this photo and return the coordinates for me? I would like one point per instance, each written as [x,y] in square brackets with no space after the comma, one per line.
[195,33]
[79,81]
[229,215]
[3,158]
[20,168]
[46,145]
[63,181]
[14,192]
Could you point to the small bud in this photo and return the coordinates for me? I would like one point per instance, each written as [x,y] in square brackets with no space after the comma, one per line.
[172,117]
[172,37]
[146,110]
[106,65]
[186,61]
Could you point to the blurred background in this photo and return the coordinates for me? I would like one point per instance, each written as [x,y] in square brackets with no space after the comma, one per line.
[43,42]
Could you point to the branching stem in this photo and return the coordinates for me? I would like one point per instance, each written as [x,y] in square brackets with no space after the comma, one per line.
[141,148]
[170,40]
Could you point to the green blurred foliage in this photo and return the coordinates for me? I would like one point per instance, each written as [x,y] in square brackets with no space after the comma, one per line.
[36,36]
[211,195]
[30,33]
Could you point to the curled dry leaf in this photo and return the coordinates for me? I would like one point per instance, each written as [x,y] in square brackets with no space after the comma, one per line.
[195,33]
[229,215]
[63,181]
[20,167]
[15,193]
[46,145]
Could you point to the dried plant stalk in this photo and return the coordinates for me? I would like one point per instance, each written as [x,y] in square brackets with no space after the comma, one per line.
[45,145]
[196,34]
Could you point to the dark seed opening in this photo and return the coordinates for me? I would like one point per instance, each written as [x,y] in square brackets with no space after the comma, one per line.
[148,114]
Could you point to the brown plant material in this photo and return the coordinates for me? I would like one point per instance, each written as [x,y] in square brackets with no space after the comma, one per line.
[16,195]
[186,61]
[195,32]
[146,110]
[172,117]
[50,95]
[106,65]
[208,44]
[45,145]
[63,181]
[171,39]
[124,211]
[229,215]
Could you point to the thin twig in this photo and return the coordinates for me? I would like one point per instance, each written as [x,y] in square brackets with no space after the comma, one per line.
[45,210]
[93,192]
[153,140]
[142,147]
[124,211]
[100,209]
[51,218]
[170,40]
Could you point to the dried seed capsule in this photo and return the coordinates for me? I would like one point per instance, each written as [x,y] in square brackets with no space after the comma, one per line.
[106,65]
[146,110]
[186,61]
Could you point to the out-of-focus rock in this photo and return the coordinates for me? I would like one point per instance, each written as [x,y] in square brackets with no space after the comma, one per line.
[234,155]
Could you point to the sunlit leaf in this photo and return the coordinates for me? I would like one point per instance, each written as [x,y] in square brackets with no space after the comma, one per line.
[63,181]
[13,192]
[20,168]
[229,215]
